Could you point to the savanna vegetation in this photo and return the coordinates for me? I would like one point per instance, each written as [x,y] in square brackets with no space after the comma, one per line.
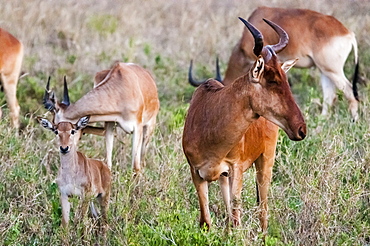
[320,193]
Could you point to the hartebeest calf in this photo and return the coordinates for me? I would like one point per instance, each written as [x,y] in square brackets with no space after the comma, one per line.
[315,39]
[219,116]
[78,175]
[126,95]
[11,56]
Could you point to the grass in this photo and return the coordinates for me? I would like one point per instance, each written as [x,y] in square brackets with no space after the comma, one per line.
[320,193]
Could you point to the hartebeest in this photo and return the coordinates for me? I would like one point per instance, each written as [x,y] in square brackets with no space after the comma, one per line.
[257,146]
[126,95]
[79,175]
[219,116]
[315,39]
[11,56]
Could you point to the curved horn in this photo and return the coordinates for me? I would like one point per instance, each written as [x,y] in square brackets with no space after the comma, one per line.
[218,73]
[65,93]
[283,37]
[192,81]
[48,103]
[257,35]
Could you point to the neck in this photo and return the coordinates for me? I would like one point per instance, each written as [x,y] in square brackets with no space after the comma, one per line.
[90,105]
[69,161]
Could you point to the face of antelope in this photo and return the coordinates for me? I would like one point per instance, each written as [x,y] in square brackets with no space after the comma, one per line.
[270,90]
[67,133]
[273,99]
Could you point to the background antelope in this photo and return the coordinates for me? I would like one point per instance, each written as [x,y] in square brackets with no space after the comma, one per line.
[315,39]
[126,95]
[11,56]
[219,116]
[78,175]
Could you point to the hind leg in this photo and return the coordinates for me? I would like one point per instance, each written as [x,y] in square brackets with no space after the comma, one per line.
[342,83]
[148,130]
[328,88]
[10,89]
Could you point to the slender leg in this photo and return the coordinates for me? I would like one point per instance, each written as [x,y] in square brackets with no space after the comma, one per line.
[236,190]
[66,207]
[342,83]
[137,142]
[264,172]
[10,89]
[148,130]
[202,189]
[109,137]
[328,88]
[225,190]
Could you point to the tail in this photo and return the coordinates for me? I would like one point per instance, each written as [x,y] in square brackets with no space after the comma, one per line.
[355,82]
[356,74]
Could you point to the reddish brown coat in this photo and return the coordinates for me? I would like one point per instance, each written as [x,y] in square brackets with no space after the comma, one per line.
[315,39]
[11,56]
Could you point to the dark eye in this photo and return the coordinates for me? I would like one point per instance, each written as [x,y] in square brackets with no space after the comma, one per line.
[273,82]
[73,132]
[56,132]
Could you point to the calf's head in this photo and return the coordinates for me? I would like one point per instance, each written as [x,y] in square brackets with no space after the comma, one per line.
[68,133]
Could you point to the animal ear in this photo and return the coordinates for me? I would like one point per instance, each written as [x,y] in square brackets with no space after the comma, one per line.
[82,123]
[257,69]
[46,124]
[288,65]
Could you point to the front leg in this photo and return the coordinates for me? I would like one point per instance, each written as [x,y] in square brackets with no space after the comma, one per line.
[137,142]
[66,207]
[225,191]
[201,186]
[236,190]
[264,166]
[109,137]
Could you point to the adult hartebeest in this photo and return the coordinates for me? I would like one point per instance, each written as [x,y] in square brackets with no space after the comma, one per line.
[125,94]
[219,116]
[315,39]
[79,175]
[257,146]
[11,56]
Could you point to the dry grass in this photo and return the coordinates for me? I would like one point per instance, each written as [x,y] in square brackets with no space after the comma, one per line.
[321,187]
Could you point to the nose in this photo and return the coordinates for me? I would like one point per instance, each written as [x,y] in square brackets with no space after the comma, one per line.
[302,131]
[64,150]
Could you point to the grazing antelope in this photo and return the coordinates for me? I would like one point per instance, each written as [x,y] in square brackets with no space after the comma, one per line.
[78,175]
[219,116]
[315,39]
[126,95]
[11,56]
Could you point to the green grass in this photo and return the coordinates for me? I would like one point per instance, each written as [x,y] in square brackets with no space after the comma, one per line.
[320,192]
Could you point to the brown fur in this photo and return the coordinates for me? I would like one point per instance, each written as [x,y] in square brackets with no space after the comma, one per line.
[315,39]
[224,135]
[78,175]
[11,56]
[125,94]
